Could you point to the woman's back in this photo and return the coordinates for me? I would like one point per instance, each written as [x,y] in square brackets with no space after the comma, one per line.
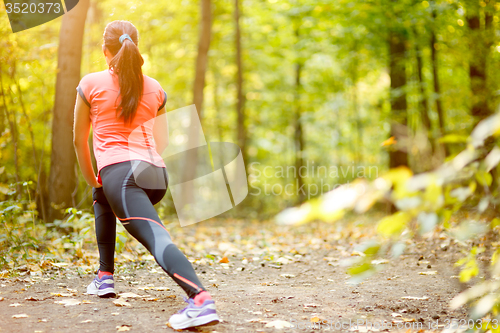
[111,134]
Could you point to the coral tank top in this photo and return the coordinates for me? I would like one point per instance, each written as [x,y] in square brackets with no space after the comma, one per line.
[112,139]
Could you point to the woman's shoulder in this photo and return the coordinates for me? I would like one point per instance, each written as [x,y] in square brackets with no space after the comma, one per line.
[95,77]
[150,81]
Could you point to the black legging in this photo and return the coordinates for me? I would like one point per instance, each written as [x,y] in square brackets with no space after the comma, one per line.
[129,191]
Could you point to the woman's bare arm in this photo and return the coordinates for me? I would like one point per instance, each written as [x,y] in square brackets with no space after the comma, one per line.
[160,131]
[81,129]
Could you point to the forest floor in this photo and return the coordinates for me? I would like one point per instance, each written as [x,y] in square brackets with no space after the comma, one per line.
[261,276]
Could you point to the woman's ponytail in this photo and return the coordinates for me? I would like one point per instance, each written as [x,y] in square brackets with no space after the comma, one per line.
[121,39]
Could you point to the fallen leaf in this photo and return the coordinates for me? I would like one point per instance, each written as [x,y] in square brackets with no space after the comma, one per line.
[123,328]
[396,314]
[278,324]
[31,298]
[22,315]
[15,305]
[150,299]
[59,264]
[416,298]
[315,319]
[87,302]
[379,261]
[224,260]
[68,302]
[428,273]
[253,320]
[121,302]
[86,321]
[287,275]
[62,294]
[130,295]
[145,288]
[311,305]
[115,314]
[162,288]
[1,299]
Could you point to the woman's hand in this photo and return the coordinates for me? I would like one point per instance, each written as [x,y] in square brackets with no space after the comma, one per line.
[96,184]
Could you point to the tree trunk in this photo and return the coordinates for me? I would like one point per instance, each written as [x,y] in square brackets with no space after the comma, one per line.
[397,48]
[299,129]
[191,159]
[62,179]
[202,58]
[14,135]
[480,41]
[424,105]
[437,88]
[358,144]
[299,135]
[240,106]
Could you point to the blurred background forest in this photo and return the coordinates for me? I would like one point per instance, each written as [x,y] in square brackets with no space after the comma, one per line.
[343,89]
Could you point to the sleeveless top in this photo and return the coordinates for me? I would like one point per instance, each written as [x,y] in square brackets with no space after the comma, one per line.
[112,139]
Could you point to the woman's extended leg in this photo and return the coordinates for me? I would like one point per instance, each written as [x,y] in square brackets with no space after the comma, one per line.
[134,209]
[133,205]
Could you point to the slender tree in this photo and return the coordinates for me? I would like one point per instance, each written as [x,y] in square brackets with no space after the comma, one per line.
[62,179]
[480,41]
[12,121]
[397,73]
[191,159]
[202,57]
[299,128]
[437,85]
[240,104]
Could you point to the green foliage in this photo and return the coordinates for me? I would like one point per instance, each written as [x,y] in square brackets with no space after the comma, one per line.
[24,239]
[425,202]
[469,263]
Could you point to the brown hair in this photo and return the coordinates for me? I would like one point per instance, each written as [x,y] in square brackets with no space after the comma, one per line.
[127,64]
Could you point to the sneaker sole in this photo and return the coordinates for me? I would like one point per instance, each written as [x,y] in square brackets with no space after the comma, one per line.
[106,293]
[208,320]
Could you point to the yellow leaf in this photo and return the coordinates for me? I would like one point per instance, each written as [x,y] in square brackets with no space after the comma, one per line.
[389,142]
[224,260]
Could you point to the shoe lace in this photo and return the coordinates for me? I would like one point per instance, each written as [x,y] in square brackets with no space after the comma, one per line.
[187,300]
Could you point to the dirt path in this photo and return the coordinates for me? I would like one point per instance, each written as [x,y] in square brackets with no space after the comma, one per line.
[293,275]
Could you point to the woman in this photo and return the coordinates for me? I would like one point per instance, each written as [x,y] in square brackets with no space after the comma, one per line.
[115,102]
